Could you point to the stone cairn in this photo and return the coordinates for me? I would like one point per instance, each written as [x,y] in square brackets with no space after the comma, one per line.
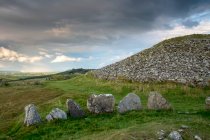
[185,61]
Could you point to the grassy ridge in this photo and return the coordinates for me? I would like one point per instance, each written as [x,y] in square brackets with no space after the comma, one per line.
[188,103]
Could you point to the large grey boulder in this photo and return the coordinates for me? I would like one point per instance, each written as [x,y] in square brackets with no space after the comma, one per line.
[174,135]
[74,109]
[56,113]
[129,102]
[103,103]
[208,103]
[31,115]
[156,101]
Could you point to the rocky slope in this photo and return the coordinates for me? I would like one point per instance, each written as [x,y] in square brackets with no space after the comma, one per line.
[183,59]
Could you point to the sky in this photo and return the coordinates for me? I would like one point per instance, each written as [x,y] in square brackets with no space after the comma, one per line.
[58,35]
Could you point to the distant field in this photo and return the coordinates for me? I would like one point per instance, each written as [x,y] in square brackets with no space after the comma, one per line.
[188,104]
[13,75]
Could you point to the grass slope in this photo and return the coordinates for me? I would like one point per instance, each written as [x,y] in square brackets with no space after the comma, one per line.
[188,103]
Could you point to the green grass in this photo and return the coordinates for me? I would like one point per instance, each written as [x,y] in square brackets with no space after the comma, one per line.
[188,104]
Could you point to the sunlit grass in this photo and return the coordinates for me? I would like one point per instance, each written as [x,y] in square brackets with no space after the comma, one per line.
[188,104]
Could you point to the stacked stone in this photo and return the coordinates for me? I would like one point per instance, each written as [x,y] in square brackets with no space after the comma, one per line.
[185,61]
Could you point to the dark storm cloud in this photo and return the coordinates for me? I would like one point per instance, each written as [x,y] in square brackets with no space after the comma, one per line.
[30,18]
[190,23]
[5,43]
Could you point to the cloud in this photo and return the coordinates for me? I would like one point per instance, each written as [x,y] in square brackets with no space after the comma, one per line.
[190,23]
[114,59]
[179,30]
[60,31]
[10,55]
[35,69]
[89,21]
[45,54]
[120,57]
[63,58]
[92,28]
[90,58]
[1,65]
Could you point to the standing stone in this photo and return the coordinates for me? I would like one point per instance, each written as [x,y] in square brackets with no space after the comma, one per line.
[74,109]
[56,113]
[208,103]
[31,115]
[129,102]
[175,136]
[157,101]
[103,103]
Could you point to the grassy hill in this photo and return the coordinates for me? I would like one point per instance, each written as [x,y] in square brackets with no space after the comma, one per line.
[188,104]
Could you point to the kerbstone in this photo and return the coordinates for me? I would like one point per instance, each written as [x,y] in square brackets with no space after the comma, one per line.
[129,103]
[103,103]
[31,115]
[157,102]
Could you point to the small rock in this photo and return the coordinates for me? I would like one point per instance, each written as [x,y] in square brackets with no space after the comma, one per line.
[180,130]
[175,136]
[196,137]
[74,109]
[56,113]
[49,117]
[157,102]
[184,126]
[208,103]
[103,103]
[181,80]
[129,102]
[31,115]
[161,134]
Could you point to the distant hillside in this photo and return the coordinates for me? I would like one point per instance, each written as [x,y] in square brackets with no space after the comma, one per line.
[19,78]
[61,74]
[80,70]
[15,75]
[183,59]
